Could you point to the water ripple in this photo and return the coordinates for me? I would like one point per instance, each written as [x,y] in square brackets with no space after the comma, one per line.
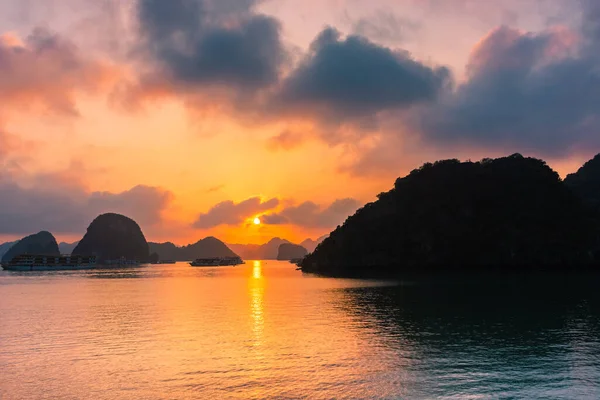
[178,332]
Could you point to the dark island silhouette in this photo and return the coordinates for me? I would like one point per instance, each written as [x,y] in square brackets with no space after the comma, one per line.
[114,236]
[131,237]
[289,251]
[4,247]
[206,248]
[310,245]
[511,213]
[67,248]
[39,243]
[267,251]
[586,183]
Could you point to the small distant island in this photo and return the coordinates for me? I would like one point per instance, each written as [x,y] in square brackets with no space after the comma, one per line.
[289,251]
[512,213]
[209,247]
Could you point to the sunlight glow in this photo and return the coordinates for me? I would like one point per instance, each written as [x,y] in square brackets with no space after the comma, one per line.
[257,270]
[256,221]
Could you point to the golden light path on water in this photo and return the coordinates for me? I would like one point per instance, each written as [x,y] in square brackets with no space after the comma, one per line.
[256,287]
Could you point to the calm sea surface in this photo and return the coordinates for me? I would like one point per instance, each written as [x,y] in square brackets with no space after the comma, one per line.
[264,330]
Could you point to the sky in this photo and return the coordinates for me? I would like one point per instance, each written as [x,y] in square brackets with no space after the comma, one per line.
[194,117]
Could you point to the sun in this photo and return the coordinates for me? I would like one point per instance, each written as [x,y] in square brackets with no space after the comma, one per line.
[256,221]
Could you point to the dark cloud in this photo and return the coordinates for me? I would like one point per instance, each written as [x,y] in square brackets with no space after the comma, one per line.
[591,21]
[200,43]
[526,91]
[230,213]
[274,219]
[142,203]
[24,210]
[197,47]
[227,8]
[351,78]
[311,215]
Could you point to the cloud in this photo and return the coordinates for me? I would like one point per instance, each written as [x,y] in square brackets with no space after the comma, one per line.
[214,189]
[286,140]
[47,71]
[24,210]
[536,91]
[199,44]
[311,215]
[230,213]
[384,26]
[345,79]
[142,203]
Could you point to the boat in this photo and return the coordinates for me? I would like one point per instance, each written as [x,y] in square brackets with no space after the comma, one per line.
[206,262]
[44,262]
[216,262]
[164,262]
[121,261]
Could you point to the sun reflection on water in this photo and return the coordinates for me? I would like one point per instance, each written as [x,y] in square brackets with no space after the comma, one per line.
[256,291]
[257,270]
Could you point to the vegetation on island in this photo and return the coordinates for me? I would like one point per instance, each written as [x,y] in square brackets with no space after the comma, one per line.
[586,183]
[506,213]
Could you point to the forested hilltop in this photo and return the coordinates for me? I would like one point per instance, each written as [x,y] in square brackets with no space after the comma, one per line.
[506,213]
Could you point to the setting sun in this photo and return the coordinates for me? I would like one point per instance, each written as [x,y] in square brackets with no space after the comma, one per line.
[256,221]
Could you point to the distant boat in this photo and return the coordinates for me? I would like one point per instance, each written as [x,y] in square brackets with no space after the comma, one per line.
[165,262]
[216,262]
[121,261]
[41,262]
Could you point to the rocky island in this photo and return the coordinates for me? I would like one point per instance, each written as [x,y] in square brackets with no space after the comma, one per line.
[112,236]
[205,248]
[586,183]
[511,213]
[4,247]
[289,251]
[267,251]
[40,243]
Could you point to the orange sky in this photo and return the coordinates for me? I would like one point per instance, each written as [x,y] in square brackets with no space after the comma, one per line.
[74,122]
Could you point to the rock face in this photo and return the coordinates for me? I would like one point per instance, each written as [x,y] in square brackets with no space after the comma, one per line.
[267,251]
[205,248]
[4,247]
[111,236]
[288,251]
[40,243]
[310,245]
[508,213]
